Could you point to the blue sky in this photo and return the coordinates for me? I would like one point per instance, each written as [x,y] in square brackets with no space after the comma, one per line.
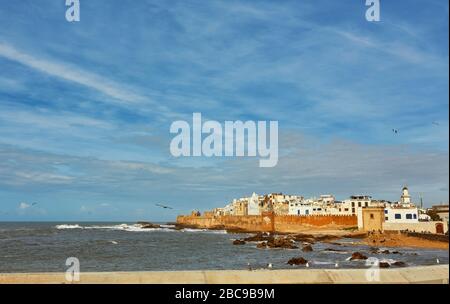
[85,108]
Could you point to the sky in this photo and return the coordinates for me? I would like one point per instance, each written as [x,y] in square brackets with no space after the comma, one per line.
[86,107]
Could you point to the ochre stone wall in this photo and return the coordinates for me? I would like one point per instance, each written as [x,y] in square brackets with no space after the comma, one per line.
[268,221]
[295,223]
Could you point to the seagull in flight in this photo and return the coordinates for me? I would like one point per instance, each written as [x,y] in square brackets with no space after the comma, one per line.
[33,204]
[163,206]
[395,131]
[435,123]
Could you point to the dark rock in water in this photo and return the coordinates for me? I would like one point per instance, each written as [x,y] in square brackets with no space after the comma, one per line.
[355,235]
[396,252]
[262,245]
[308,238]
[358,256]
[332,249]
[297,261]
[374,250]
[259,237]
[281,243]
[384,265]
[386,252]
[399,264]
[238,242]
[326,238]
[148,225]
[307,248]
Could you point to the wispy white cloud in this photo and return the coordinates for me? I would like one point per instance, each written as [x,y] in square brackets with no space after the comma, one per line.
[24,206]
[71,73]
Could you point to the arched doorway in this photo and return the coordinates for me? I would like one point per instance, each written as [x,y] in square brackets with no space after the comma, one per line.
[440,228]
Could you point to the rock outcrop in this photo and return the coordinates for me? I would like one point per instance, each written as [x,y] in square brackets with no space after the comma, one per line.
[307,248]
[238,242]
[358,256]
[147,225]
[259,237]
[297,261]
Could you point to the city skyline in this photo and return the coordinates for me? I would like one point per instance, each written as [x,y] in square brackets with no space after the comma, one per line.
[86,107]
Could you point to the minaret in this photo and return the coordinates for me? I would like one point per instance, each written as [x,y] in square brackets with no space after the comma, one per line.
[405,198]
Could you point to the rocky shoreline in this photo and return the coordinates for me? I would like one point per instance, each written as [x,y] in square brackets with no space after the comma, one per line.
[291,240]
[303,242]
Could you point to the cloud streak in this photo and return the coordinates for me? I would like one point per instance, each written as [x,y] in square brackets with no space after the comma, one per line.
[72,74]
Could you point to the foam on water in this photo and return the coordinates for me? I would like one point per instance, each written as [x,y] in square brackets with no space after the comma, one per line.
[136,228]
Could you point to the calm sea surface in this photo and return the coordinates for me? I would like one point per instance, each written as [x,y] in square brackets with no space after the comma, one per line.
[44,247]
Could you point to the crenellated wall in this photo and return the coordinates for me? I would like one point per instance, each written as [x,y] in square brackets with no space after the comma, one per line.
[268,221]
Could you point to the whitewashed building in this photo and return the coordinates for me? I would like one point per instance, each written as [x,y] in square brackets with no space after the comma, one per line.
[253,205]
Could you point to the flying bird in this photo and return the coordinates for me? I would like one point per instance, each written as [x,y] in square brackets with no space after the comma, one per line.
[395,131]
[435,123]
[163,206]
[33,204]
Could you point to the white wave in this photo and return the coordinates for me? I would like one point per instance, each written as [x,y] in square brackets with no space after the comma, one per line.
[121,227]
[68,227]
[323,263]
[166,226]
[204,230]
[137,228]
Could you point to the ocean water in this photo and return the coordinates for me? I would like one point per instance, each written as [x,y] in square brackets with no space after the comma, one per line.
[44,247]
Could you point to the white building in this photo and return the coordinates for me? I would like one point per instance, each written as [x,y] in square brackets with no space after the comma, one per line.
[253,205]
[356,201]
[300,208]
[397,213]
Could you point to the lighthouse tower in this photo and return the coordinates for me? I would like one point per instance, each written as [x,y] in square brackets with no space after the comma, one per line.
[405,198]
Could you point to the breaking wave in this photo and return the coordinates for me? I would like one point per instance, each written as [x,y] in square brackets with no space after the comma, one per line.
[135,228]
[203,230]
[121,227]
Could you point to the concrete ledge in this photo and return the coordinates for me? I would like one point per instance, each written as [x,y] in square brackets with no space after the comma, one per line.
[438,274]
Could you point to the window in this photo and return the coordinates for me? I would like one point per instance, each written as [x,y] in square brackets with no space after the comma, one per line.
[353,210]
[385,211]
[345,209]
[386,218]
[353,204]
[409,216]
[298,212]
[359,204]
[366,204]
[306,212]
[398,216]
[371,216]
[415,216]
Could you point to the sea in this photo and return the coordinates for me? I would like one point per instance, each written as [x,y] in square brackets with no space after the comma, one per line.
[100,246]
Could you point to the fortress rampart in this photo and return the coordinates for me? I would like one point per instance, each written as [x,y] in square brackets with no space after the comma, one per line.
[268,222]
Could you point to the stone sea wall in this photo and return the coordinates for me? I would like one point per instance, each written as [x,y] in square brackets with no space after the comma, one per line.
[268,222]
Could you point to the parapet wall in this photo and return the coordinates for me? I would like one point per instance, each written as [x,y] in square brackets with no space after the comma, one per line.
[268,222]
[295,223]
[429,227]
